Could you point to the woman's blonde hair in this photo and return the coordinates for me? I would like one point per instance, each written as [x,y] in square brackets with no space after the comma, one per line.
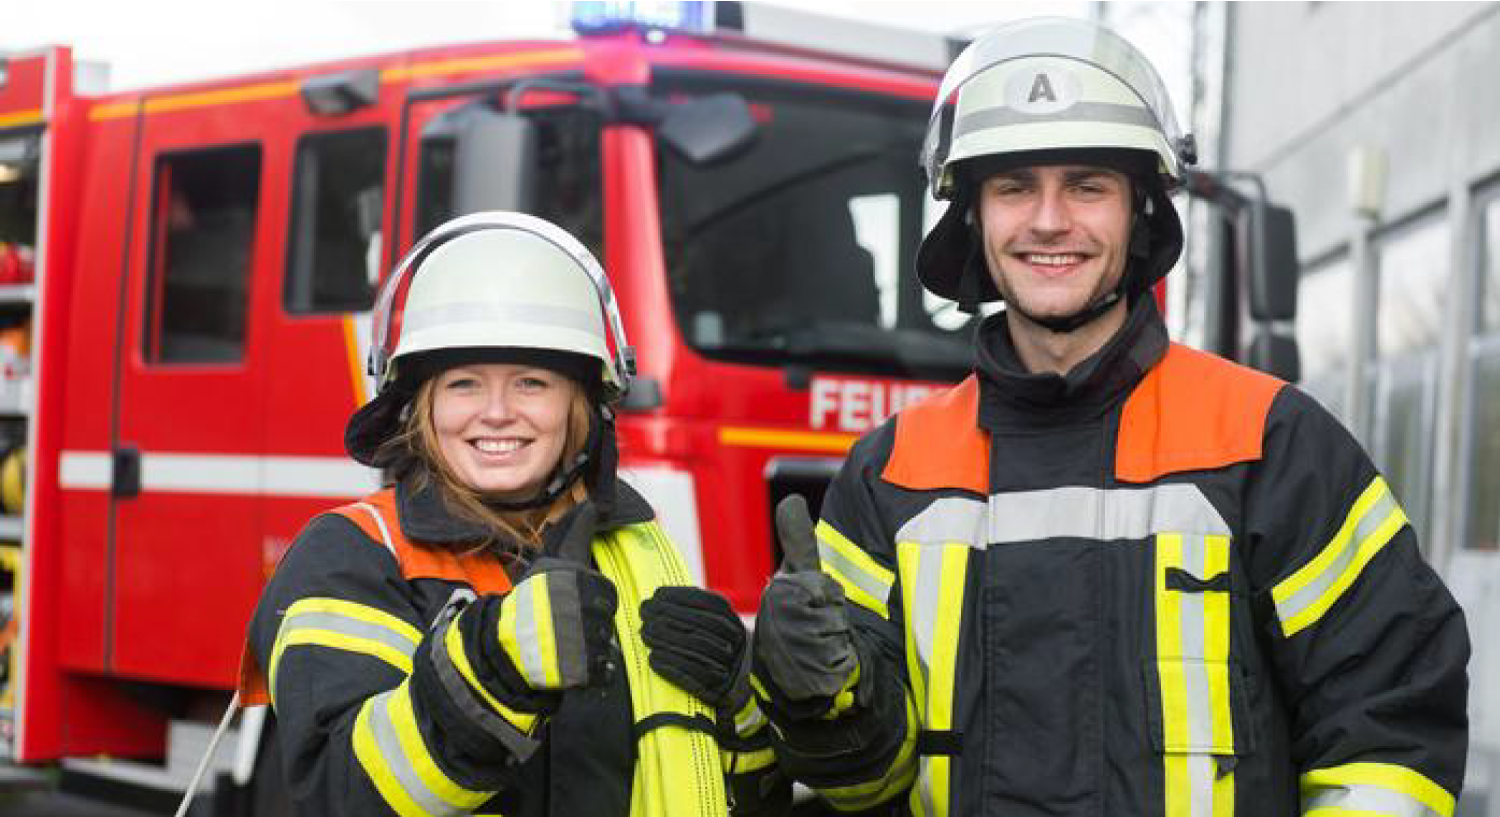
[508,529]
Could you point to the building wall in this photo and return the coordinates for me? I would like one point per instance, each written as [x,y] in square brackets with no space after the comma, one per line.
[1308,81]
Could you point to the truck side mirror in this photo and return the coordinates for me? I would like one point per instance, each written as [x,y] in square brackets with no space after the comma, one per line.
[494,156]
[1273,263]
[1276,354]
[708,129]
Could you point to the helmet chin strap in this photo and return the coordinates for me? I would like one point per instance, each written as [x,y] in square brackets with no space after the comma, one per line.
[566,473]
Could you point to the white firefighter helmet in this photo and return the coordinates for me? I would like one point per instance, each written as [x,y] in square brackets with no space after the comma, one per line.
[1050,90]
[492,286]
[499,280]
[1051,83]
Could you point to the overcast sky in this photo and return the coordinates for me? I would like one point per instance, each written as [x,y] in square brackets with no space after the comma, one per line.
[154,42]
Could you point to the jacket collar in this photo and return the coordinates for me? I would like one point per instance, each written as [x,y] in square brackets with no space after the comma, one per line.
[424,517]
[1012,397]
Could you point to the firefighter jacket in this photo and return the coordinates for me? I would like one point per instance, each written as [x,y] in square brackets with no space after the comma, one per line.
[385,703]
[1162,584]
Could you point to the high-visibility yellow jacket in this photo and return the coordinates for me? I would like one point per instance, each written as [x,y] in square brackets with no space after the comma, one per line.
[1160,585]
[386,703]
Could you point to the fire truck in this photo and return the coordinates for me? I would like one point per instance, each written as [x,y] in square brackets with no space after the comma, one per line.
[185,280]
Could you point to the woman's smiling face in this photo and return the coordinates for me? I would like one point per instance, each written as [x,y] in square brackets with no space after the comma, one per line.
[502,427]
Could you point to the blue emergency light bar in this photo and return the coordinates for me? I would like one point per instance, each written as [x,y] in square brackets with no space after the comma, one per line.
[604,17]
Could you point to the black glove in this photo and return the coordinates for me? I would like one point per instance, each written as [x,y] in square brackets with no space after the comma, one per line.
[698,642]
[804,654]
[575,646]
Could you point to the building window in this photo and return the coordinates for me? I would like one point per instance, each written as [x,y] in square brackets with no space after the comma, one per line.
[1325,335]
[1413,279]
[202,231]
[333,255]
[1482,508]
[1409,319]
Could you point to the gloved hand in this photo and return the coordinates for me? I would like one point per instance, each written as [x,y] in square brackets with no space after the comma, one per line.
[566,641]
[697,642]
[804,653]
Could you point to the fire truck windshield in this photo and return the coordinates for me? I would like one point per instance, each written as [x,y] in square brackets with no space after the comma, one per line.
[798,250]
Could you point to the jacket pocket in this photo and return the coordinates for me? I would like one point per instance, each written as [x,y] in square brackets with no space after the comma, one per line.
[1196,701]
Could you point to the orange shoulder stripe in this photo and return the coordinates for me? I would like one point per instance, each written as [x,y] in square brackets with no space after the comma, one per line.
[939,443]
[1192,412]
[481,571]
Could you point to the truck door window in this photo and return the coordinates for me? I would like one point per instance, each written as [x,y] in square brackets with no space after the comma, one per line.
[202,228]
[338,199]
[799,248]
[569,186]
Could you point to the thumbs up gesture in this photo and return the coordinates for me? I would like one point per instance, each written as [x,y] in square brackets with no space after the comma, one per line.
[804,655]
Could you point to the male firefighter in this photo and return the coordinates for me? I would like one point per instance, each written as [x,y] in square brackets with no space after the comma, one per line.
[1106,574]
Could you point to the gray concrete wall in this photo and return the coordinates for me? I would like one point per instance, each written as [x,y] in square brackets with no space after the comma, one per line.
[1310,81]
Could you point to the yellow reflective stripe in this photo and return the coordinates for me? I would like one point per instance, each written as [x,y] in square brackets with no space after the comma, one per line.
[1302,598]
[523,721]
[746,762]
[1216,643]
[404,719]
[865,581]
[370,759]
[1192,660]
[899,776]
[344,625]
[933,578]
[1377,788]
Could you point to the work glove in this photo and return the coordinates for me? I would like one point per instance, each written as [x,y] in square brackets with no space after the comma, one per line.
[805,660]
[566,641]
[698,642]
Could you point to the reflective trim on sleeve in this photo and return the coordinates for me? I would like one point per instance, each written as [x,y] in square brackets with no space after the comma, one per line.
[865,581]
[746,762]
[510,727]
[1306,595]
[1373,788]
[526,632]
[391,750]
[344,625]
[1192,660]
[933,580]
[749,719]
[862,796]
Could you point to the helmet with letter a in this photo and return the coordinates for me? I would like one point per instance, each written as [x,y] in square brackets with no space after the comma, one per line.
[1044,91]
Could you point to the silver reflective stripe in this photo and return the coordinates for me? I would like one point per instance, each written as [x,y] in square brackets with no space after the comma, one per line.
[1078,112]
[1200,712]
[1201,770]
[526,635]
[873,586]
[947,521]
[483,313]
[344,625]
[1367,800]
[924,785]
[396,761]
[1077,512]
[1364,529]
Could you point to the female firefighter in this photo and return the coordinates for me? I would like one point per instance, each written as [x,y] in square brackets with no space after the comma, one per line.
[473,638]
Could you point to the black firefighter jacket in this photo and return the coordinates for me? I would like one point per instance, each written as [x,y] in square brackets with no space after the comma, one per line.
[1160,585]
[350,637]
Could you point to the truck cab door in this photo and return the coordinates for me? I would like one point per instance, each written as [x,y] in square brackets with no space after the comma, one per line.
[187,468]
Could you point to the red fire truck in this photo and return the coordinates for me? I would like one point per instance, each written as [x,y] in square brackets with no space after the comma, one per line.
[187,274]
